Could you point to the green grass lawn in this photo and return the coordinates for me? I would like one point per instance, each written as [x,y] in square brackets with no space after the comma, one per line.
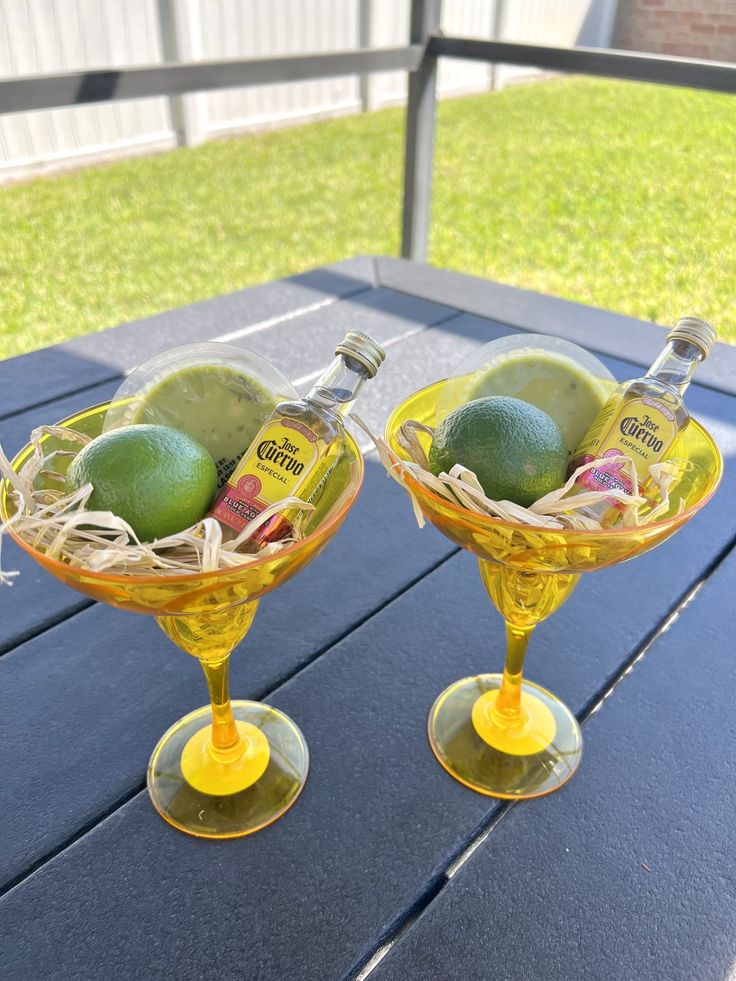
[614,194]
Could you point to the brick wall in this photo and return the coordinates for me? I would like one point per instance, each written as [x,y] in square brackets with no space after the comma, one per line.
[692,28]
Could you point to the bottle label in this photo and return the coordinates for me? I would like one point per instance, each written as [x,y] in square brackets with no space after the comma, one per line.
[642,428]
[277,464]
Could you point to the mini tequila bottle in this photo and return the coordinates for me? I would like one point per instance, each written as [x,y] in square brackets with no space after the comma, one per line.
[298,446]
[642,418]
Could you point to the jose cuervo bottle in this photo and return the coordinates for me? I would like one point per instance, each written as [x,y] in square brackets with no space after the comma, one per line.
[643,417]
[298,446]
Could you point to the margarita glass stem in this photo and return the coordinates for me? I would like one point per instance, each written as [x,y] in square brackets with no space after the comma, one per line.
[224,731]
[524,599]
[507,710]
[211,637]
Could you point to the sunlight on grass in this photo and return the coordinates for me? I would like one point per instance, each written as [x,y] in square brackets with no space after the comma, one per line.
[613,194]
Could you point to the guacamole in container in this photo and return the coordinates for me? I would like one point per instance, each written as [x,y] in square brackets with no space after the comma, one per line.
[218,394]
[563,379]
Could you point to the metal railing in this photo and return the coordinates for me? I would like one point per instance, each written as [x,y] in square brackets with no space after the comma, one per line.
[419,58]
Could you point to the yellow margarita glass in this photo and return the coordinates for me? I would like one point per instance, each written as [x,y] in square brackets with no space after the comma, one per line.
[499,734]
[229,768]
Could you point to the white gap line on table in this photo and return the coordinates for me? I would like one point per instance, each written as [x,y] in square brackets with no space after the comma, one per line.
[375,960]
[233,335]
[314,375]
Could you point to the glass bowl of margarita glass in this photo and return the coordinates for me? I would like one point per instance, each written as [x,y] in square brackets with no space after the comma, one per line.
[231,767]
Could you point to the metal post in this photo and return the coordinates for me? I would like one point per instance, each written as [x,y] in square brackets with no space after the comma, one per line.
[364,41]
[496,29]
[180,42]
[420,119]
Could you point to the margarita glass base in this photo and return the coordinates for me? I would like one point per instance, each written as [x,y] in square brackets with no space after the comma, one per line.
[527,756]
[225,793]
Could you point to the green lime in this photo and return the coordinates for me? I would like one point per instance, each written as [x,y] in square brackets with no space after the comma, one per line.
[516,451]
[157,479]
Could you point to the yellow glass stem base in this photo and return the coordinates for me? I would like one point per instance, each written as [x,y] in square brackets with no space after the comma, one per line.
[220,772]
[500,760]
[221,794]
[534,733]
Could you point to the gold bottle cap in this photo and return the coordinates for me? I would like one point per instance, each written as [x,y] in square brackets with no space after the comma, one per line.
[363,348]
[696,331]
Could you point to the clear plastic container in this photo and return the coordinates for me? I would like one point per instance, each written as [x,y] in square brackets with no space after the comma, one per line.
[563,379]
[217,393]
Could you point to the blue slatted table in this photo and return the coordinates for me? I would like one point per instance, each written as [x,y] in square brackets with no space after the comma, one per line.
[386,868]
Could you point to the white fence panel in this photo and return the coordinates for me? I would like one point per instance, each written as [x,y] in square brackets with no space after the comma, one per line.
[470,18]
[47,36]
[258,28]
[38,36]
[539,22]
[389,22]
[534,21]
